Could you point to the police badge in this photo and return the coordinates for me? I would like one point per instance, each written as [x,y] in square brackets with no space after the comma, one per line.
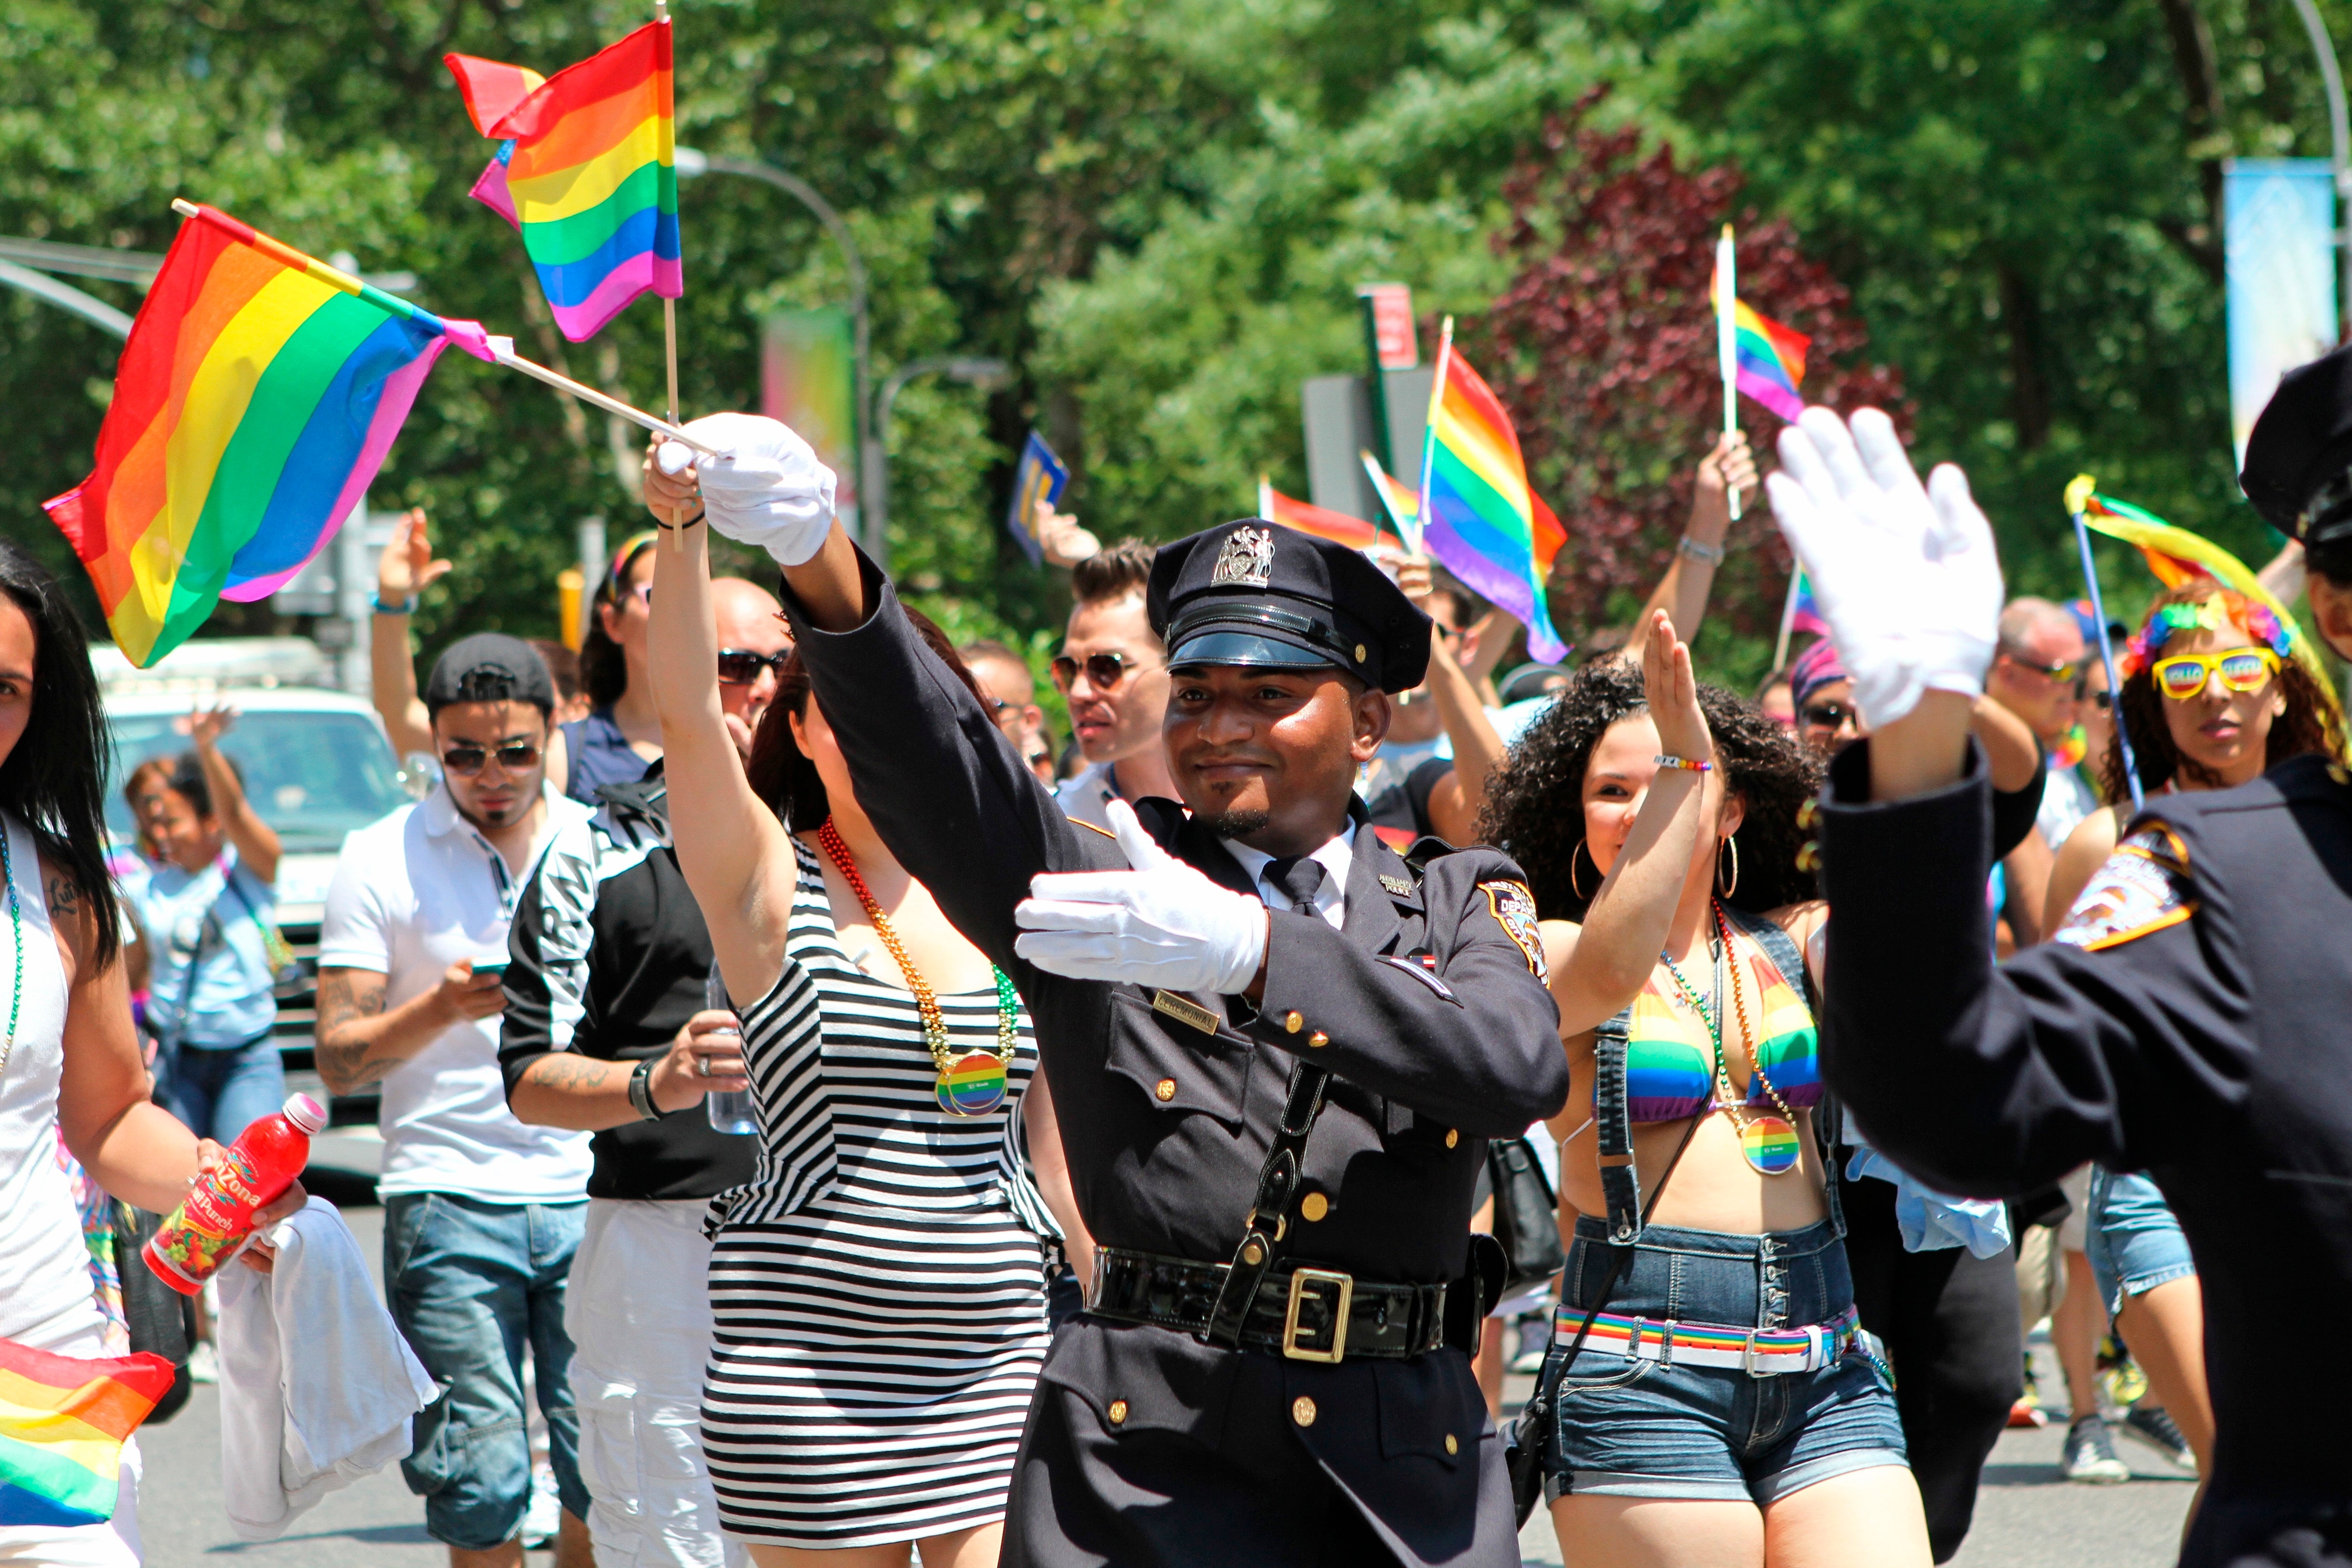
[1246,561]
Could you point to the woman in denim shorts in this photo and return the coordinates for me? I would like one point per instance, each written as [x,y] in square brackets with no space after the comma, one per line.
[1713,1398]
[2211,700]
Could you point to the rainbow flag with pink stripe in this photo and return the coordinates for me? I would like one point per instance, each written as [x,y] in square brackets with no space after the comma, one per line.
[587,171]
[63,1422]
[1308,518]
[1770,357]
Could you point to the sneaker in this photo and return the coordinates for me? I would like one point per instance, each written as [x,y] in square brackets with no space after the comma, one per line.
[2090,1455]
[2027,1411]
[545,1511]
[2155,1426]
[203,1363]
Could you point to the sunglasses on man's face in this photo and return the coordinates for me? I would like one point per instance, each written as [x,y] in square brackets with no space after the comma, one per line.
[1104,671]
[2182,676]
[1831,716]
[514,756]
[741,666]
[2065,673]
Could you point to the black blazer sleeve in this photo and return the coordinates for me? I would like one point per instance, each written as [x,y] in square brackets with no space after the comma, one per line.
[938,779]
[1991,1081]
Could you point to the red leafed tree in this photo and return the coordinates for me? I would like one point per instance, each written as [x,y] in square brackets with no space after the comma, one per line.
[1603,349]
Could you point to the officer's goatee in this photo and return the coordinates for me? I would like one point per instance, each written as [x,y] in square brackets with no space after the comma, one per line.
[1236,823]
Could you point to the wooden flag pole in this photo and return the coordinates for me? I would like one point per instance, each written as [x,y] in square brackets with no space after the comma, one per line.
[669,332]
[503,348]
[1727,340]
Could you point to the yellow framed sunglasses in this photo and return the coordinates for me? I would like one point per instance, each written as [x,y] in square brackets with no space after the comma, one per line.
[2182,676]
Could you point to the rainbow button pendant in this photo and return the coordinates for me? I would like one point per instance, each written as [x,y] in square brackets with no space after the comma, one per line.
[974,1085]
[1770,1145]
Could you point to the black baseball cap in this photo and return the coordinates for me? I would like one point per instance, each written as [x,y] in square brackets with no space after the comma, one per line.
[1255,594]
[2298,469]
[489,667]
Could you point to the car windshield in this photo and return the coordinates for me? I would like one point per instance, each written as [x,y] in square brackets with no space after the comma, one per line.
[312,777]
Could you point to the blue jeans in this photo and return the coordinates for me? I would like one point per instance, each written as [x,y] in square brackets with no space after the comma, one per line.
[1624,1427]
[220,1092]
[2132,1241]
[470,1284]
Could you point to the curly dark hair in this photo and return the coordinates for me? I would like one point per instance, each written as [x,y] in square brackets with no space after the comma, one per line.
[2312,722]
[1534,808]
[780,772]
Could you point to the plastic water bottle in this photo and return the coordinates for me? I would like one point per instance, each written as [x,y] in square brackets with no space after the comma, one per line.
[730,1109]
[213,1221]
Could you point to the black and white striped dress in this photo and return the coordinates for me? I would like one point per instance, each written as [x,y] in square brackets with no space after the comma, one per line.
[877,1289]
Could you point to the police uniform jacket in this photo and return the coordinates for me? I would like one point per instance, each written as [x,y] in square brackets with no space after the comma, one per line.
[1427,1010]
[2193,1018]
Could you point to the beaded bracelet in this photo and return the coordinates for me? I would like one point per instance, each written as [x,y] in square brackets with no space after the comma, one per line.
[1686,764]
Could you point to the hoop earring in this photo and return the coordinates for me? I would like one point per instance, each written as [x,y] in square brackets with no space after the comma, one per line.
[1582,896]
[1727,842]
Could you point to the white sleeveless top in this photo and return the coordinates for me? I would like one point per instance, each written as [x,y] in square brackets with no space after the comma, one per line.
[46,1298]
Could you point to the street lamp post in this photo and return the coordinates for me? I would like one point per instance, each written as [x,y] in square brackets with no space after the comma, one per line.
[980,372]
[691,161]
[2339,134]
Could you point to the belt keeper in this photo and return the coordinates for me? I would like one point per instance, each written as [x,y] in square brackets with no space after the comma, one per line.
[1666,1345]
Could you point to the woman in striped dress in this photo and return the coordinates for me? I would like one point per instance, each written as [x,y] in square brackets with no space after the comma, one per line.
[877,1288]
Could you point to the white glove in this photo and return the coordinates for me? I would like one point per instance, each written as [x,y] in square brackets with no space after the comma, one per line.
[1905,577]
[768,491]
[1161,924]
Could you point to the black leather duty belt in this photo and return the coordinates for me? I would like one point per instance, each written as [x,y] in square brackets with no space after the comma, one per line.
[1305,1312]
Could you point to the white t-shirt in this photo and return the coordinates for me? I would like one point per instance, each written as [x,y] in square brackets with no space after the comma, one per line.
[413,894]
[2066,800]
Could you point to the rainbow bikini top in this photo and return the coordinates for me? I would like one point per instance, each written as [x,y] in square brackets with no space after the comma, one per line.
[1670,1060]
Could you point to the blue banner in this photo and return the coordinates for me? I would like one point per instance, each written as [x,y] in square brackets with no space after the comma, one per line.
[2279,223]
[1041,476]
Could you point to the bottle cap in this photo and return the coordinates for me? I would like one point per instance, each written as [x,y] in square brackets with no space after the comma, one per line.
[306,1113]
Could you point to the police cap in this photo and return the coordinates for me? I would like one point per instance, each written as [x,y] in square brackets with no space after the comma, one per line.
[1255,594]
[2298,468]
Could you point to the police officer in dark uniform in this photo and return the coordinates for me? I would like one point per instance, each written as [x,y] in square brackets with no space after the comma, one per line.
[2189,1020]
[1276,1046]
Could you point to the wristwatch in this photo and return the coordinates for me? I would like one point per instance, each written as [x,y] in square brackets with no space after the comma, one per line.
[405,607]
[1711,554]
[641,1089]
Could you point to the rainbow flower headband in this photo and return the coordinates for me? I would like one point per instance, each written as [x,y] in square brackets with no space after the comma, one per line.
[2211,614]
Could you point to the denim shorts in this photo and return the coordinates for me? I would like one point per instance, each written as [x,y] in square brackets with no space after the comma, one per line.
[1625,1426]
[471,1283]
[2134,1244]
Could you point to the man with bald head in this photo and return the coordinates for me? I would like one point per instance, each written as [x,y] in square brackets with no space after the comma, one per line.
[2038,674]
[753,642]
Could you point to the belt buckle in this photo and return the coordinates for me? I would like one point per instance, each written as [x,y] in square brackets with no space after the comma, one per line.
[1748,1356]
[1301,1279]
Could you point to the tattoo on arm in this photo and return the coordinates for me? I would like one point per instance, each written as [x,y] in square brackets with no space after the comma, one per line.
[566,1072]
[347,997]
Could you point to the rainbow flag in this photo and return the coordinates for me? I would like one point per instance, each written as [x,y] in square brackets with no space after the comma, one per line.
[1309,518]
[586,170]
[63,1421]
[1403,505]
[1478,515]
[255,400]
[1770,357]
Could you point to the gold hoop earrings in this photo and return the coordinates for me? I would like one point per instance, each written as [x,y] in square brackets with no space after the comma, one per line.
[1582,896]
[1725,889]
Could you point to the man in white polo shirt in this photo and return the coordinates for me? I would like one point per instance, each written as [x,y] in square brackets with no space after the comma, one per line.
[481,1213]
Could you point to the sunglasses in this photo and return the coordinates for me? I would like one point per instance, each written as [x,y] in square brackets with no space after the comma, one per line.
[1104,672]
[741,666]
[2066,672]
[2182,676]
[514,756]
[1832,716]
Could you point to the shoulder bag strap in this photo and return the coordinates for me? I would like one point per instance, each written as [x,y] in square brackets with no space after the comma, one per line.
[1619,1253]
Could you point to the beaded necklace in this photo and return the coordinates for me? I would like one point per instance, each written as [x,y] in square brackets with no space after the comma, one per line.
[970,1085]
[1769,1143]
[16,942]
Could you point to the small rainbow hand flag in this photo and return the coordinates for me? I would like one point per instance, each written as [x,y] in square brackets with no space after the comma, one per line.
[1403,505]
[1769,356]
[587,171]
[63,1422]
[1309,518]
[257,398]
[1478,515]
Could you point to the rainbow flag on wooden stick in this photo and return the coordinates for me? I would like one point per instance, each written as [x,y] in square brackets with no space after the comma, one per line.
[1478,515]
[587,171]
[1403,505]
[63,1422]
[1770,357]
[257,398]
[1308,518]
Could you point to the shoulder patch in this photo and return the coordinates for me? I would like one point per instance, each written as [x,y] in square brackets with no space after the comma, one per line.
[2143,887]
[1514,909]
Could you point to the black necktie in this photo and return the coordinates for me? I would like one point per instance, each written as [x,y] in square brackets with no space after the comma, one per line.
[1299,878]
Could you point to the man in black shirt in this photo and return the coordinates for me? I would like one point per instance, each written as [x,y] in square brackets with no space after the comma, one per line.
[606,1030]
[2188,1019]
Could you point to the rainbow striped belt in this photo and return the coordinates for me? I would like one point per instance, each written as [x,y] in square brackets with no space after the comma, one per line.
[1759,1353]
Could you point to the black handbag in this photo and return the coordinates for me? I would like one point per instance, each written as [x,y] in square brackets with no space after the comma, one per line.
[1525,1220]
[158,1318]
[1523,1451]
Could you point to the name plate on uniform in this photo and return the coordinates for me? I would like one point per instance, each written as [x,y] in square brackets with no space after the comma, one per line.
[1184,1010]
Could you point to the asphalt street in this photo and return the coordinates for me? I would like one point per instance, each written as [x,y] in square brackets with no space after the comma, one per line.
[2027,1516]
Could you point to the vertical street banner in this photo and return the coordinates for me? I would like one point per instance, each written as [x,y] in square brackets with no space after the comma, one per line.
[808,379]
[1040,476]
[2279,232]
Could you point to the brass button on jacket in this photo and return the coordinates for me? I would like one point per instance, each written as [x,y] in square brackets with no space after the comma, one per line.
[1118,1414]
[1314,1205]
[1302,1410]
[1165,1089]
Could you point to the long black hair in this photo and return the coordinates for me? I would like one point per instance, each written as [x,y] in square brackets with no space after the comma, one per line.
[604,667]
[1535,804]
[55,777]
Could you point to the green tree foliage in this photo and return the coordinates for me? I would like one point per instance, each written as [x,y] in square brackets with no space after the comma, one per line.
[1158,211]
